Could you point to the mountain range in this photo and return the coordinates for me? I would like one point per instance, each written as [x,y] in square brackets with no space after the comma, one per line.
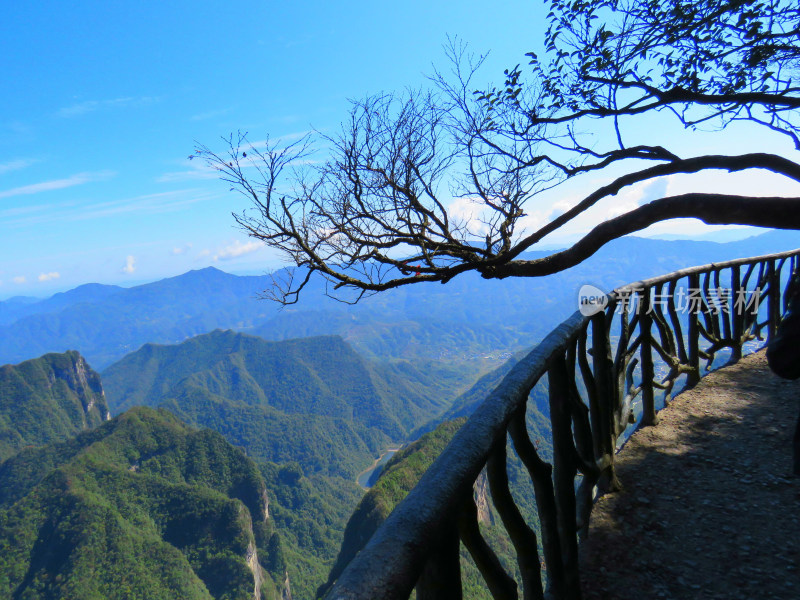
[466,320]
[311,400]
[240,428]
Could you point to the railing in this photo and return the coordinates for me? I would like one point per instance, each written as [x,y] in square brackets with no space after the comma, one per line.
[611,356]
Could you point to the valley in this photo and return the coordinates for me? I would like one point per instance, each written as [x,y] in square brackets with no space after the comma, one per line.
[255,450]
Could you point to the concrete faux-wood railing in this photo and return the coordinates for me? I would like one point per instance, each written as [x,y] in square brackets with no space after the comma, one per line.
[612,356]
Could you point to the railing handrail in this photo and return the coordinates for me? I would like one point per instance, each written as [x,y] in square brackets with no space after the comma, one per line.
[393,551]
[391,563]
[681,273]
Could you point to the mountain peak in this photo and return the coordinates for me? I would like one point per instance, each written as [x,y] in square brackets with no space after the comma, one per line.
[48,399]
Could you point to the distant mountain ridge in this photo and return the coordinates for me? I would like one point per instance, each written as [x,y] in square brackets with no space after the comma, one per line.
[16,308]
[48,399]
[105,323]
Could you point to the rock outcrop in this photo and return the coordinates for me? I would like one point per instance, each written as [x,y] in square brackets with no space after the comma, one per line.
[48,399]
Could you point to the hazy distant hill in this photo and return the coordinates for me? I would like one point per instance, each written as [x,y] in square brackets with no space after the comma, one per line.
[16,308]
[312,400]
[48,399]
[106,326]
[142,507]
[466,318]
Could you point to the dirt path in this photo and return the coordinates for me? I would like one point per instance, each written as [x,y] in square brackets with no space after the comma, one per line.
[709,509]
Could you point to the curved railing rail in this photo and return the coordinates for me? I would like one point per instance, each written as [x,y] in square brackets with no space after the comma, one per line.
[604,374]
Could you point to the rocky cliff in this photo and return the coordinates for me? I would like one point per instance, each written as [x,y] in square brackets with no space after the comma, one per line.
[48,399]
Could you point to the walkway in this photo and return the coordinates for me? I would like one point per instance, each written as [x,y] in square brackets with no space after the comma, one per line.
[709,510]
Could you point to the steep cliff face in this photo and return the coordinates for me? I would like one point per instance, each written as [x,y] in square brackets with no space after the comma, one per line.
[82,381]
[482,500]
[252,563]
[48,399]
[286,594]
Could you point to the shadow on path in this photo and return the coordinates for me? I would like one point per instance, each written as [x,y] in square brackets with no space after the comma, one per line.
[708,508]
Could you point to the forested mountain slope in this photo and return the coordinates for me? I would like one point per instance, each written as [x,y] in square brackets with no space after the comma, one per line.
[312,400]
[48,399]
[400,474]
[141,507]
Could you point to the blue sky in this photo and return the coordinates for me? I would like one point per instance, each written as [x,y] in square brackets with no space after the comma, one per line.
[103,103]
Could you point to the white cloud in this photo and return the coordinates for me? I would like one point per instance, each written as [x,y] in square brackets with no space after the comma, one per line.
[20,279]
[632,197]
[530,222]
[654,190]
[15,165]
[237,249]
[82,108]
[560,207]
[468,212]
[203,253]
[57,184]
[49,276]
[130,265]
[177,250]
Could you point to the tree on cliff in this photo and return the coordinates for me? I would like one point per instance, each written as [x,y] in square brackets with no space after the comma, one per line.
[428,185]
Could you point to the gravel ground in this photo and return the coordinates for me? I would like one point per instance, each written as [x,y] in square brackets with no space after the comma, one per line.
[709,508]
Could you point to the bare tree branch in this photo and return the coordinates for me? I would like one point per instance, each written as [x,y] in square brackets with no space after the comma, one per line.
[426,185]
[713,209]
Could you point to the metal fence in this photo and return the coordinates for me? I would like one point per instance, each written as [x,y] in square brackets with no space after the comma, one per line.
[605,373]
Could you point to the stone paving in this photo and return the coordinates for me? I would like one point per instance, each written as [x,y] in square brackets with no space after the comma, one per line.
[709,509]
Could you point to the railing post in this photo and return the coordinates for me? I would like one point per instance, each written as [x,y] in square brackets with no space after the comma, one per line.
[607,396]
[773,300]
[693,377]
[564,471]
[646,353]
[501,585]
[737,314]
[541,474]
[522,536]
[441,576]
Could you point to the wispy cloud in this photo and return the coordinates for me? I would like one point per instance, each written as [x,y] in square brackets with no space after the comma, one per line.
[19,280]
[178,250]
[130,265]
[57,184]
[49,276]
[195,170]
[237,249]
[163,202]
[210,114]
[82,108]
[655,190]
[16,165]
[273,141]
[148,204]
